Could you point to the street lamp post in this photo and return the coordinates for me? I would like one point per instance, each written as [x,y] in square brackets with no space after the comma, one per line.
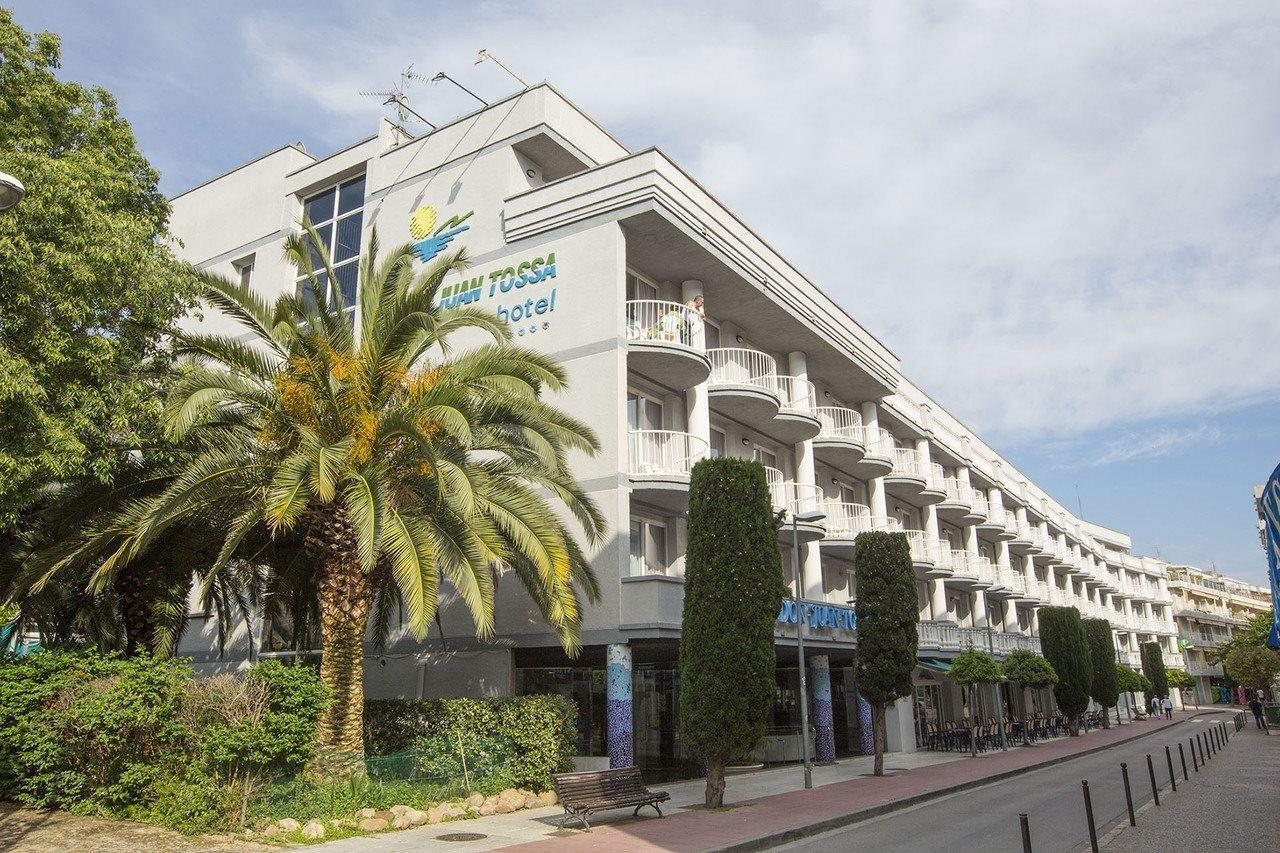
[11,191]
[796,518]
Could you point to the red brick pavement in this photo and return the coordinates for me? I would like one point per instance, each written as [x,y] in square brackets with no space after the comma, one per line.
[829,805]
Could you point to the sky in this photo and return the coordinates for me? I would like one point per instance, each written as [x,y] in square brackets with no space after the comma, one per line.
[1064,218]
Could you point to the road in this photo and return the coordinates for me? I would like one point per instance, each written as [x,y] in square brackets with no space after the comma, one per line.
[986,818]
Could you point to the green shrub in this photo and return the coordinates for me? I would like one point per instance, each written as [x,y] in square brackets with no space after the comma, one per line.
[1153,669]
[541,728]
[193,804]
[303,799]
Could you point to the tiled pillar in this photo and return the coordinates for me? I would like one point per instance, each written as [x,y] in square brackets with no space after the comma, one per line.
[823,723]
[618,704]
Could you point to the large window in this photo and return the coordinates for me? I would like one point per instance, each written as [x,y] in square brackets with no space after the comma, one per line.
[337,214]
[648,548]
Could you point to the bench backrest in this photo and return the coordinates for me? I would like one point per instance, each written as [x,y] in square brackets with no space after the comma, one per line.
[599,785]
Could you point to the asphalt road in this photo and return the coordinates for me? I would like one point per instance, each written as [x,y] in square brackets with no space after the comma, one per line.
[986,818]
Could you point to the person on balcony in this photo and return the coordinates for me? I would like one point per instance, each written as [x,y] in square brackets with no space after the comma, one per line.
[695,319]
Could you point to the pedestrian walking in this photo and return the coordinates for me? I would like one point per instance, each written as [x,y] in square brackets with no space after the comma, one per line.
[1255,705]
[1167,705]
[1155,707]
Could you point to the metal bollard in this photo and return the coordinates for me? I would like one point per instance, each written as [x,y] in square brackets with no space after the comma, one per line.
[1151,769]
[1128,795]
[1194,762]
[1088,811]
[1173,780]
[1182,756]
[1026,832]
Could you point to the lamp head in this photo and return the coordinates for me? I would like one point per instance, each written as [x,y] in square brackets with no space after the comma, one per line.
[811,517]
[11,191]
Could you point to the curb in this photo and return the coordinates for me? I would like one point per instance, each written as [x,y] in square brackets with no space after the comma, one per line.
[774,839]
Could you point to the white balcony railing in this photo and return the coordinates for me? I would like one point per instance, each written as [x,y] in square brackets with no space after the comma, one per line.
[909,463]
[796,394]
[878,441]
[962,564]
[948,637]
[838,422]
[978,501]
[957,492]
[739,366]
[662,322]
[923,549]
[658,452]
[850,519]
[795,498]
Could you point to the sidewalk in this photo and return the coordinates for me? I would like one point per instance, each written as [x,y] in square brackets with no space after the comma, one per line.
[768,807]
[1232,804]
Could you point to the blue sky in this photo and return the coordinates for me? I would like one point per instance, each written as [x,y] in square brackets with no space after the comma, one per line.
[1063,217]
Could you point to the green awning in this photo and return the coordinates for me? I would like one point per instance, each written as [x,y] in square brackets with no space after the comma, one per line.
[936,664]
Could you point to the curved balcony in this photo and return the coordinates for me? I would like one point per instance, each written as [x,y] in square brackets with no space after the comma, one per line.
[877,460]
[1021,542]
[908,476]
[933,492]
[963,566]
[978,508]
[1041,548]
[955,505]
[659,463]
[1010,584]
[994,521]
[1009,530]
[1039,591]
[841,440]
[988,574]
[664,344]
[795,499]
[926,555]
[741,386]
[843,524]
[797,419]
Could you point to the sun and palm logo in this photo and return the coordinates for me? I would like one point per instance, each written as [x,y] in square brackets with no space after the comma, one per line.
[430,240]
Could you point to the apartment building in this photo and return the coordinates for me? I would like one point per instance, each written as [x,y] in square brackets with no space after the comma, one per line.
[596,254]
[1210,608]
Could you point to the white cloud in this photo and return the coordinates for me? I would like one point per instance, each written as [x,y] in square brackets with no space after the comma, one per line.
[1150,444]
[1062,216]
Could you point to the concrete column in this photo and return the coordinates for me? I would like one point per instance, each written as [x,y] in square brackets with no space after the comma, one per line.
[1035,621]
[1010,617]
[1020,513]
[938,602]
[807,482]
[875,487]
[995,500]
[900,725]
[1028,569]
[697,407]
[618,704]
[980,619]
[823,723]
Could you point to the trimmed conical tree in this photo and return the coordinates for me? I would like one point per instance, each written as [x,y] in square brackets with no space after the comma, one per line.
[886,617]
[1153,669]
[732,594]
[1102,652]
[1065,647]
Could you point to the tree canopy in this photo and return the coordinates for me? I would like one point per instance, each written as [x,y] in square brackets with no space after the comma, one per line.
[1179,680]
[974,666]
[732,593]
[1153,668]
[1029,669]
[1128,680]
[1253,666]
[89,280]
[1253,635]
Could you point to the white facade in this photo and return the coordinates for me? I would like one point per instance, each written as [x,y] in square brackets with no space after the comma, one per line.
[779,372]
[1210,609]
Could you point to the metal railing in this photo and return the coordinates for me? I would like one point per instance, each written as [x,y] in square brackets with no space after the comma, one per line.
[923,548]
[850,519]
[663,322]
[740,366]
[652,452]
[909,463]
[796,498]
[840,423]
[962,564]
[878,441]
[796,394]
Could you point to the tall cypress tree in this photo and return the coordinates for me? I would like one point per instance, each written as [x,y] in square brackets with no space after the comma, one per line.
[1065,647]
[1102,651]
[1153,669]
[732,593]
[887,614]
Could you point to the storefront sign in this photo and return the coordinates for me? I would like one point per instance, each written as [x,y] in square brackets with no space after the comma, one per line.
[819,615]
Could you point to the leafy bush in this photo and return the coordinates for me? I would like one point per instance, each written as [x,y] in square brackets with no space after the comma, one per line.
[973,666]
[1029,669]
[192,803]
[540,728]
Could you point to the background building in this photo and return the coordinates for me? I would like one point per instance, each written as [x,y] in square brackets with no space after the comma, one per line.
[1210,608]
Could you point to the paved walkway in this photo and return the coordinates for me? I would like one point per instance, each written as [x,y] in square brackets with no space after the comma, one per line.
[761,806]
[36,831]
[1232,804]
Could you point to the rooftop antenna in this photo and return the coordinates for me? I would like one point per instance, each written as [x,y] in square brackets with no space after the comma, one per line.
[484,54]
[396,95]
[442,76]
[1079,503]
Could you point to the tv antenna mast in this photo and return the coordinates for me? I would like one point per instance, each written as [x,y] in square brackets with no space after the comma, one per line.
[485,54]
[398,97]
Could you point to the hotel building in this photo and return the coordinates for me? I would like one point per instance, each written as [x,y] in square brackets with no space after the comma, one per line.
[591,251]
[1210,609]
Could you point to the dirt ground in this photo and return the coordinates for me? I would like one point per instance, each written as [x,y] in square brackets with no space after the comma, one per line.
[31,831]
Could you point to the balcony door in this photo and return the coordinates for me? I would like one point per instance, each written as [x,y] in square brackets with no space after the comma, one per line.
[643,412]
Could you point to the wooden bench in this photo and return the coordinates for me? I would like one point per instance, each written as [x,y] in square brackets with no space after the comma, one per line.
[583,794]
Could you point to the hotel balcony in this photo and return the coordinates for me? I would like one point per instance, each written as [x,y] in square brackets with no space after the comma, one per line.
[994,522]
[795,499]
[1041,591]
[878,457]
[662,346]
[797,418]
[843,524]
[964,568]
[1008,530]
[659,463]
[909,478]
[841,439]
[1009,584]
[1021,542]
[1042,549]
[926,555]
[741,386]
[979,509]
[946,637]
[956,504]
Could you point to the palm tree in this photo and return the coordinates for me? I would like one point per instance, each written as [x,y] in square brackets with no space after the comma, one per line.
[398,462]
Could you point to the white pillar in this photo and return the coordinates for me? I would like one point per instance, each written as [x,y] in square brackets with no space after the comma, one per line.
[995,501]
[875,487]
[938,602]
[807,483]
[1010,616]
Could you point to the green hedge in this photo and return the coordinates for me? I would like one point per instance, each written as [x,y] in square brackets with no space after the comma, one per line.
[516,742]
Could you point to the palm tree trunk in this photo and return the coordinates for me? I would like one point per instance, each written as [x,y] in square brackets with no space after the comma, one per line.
[345,594]
[135,610]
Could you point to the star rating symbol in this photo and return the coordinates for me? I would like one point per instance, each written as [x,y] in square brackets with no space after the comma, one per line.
[546,324]
[533,328]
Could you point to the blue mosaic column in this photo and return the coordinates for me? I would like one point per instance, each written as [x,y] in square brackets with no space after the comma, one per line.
[618,696]
[823,724]
[866,737]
